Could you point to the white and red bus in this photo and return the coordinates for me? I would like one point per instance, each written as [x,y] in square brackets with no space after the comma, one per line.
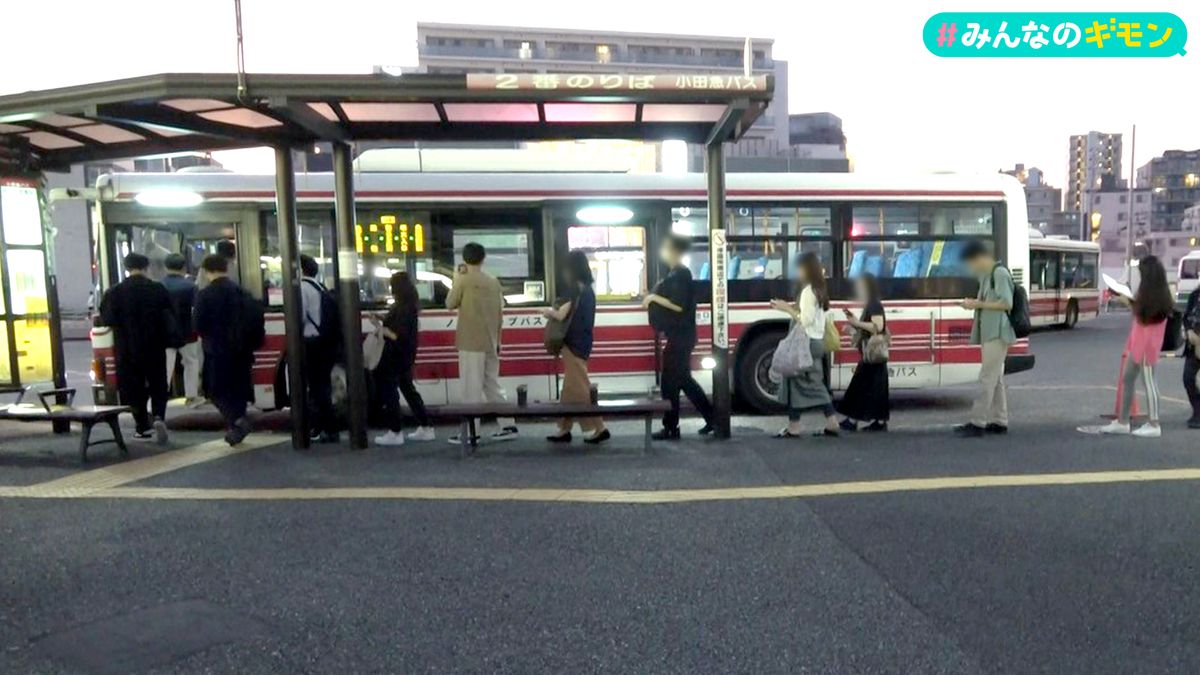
[1064,280]
[907,232]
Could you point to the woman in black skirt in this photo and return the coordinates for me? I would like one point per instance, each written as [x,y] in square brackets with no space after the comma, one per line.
[866,399]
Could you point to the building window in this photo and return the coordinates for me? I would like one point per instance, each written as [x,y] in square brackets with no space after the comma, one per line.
[1192,180]
[603,54]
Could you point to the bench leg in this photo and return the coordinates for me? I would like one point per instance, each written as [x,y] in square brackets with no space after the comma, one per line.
[646,439]
[115,425]
[85,440]
[464,437]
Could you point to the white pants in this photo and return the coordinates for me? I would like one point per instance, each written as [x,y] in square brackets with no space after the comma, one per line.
[479,375]
[193,358]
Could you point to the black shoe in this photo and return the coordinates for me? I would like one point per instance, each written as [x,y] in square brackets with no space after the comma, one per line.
[564,437]
[826,433]
[239,431]
[848,425]
[996,429]
[143,434]
[876,426]
[706,429]
[1194,423]
[599,438]
[969,430]
[665,434]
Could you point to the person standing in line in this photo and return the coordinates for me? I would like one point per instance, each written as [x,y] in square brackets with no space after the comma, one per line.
[1152,306]
[672,311]
[395,370]
[993,332]
[229,321]
[579,308]
[479,299]
[182,291]
[866,397]
[1191,354]
[228,250]
[139,312]
[807,390]
[319,354]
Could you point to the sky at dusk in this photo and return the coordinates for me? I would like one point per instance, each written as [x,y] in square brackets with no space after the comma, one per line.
[903,108]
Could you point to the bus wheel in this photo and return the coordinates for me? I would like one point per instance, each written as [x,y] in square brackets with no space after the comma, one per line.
[754,385]
[1072,316]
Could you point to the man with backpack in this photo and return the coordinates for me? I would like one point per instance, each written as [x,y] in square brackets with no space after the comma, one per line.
[993,331]
[230,323]
[322,343]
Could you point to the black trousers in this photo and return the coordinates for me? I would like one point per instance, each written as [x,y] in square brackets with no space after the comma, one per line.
[232,409]
[677,377]
[141,378]
[318,364]
[1191,368]
[393,380]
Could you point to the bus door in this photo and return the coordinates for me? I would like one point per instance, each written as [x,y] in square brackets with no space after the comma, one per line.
[907,268]
[1046,301]
[618,244]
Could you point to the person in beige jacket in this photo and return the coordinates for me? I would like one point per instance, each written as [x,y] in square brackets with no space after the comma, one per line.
[479,299]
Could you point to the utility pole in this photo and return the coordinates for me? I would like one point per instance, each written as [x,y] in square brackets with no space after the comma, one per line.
[1129,232]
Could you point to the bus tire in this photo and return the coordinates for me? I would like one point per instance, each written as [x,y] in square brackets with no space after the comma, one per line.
[1072,316]
[753,386]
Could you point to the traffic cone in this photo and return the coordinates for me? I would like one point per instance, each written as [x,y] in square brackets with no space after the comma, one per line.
[1134,411]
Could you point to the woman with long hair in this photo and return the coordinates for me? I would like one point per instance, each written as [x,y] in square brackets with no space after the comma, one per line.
[1152,305]
[578,309]
[866,398]
[808,390]
[395,370]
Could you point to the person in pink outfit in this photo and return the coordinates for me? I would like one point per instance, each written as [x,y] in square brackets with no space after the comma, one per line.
[1152,306]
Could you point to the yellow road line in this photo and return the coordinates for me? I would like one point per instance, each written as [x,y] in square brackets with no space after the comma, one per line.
[86,482]
[594,496]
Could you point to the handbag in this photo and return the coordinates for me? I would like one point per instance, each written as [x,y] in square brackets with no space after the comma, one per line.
[792,355]
[372,348]
[832,339]
[555,337]
[1173,335]
[877,348]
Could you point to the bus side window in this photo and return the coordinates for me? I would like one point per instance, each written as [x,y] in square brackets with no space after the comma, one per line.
[314,237]
[618,257]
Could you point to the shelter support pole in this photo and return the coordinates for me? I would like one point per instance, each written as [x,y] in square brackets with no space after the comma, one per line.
[348,294]
[293,320]
[714,167]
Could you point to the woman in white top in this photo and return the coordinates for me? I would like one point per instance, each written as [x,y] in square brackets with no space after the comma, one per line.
[807,390]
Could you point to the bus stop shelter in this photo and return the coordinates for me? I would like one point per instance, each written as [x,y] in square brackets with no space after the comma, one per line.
[51,130]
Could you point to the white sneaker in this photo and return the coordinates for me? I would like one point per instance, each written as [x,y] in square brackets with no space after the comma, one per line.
[422,434]
[1114,427]
[1148,431]
[390,438]
[505,434]
[160,432]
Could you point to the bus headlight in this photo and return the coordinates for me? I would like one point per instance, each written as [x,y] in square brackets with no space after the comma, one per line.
[708,363]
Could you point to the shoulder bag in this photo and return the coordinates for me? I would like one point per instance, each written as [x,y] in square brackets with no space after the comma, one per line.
[792,354]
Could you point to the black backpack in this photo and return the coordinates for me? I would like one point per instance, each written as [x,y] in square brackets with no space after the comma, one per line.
[249,331]
[330,329]
[1018,315]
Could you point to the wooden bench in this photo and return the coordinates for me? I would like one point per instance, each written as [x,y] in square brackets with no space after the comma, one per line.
[87,416]
[466,414]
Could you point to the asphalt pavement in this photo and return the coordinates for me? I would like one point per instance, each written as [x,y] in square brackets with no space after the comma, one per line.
[696,557]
